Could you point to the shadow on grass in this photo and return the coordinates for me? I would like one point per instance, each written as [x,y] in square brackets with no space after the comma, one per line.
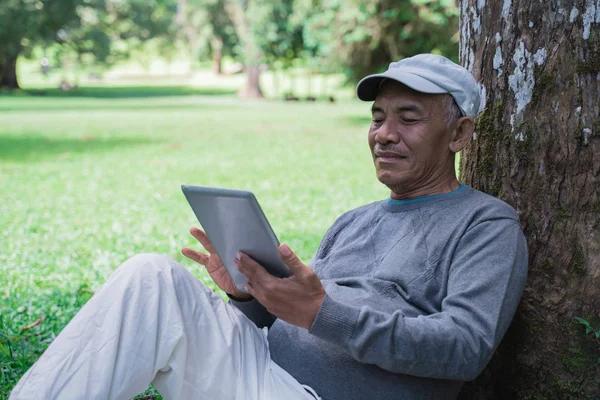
[36,147]
[110,92]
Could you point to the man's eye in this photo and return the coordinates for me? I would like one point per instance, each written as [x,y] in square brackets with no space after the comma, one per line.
[377,120]
[409,120]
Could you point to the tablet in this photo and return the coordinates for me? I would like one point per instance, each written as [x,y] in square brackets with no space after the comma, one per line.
[234,221]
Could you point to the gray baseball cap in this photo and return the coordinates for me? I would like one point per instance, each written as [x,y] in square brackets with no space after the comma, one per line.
[428,73]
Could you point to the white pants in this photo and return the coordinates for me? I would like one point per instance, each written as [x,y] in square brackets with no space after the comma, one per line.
[154,322]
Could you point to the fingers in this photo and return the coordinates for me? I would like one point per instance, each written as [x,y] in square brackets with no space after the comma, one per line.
[250,289]
[290,259]
[194,255]
[256,274]
[260,283]
[296,299]
[203,239]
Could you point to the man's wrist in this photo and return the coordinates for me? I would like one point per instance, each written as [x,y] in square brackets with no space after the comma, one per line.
[240,299]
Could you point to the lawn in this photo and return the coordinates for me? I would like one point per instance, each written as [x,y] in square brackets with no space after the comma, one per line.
[92,177]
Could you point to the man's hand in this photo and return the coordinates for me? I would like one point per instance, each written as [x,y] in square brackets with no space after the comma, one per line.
[213,265]
[296,299]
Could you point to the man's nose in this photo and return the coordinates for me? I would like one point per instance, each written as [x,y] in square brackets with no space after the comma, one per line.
[388,132]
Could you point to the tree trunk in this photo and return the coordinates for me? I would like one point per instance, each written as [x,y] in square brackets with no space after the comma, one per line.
[217,52]
[537,147]
[252,88]
[252,54]
[8,72]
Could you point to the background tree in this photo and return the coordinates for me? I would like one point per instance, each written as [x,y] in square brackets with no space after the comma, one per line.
[103,31]
[223,40]
[278,32]
[110,31]
[362,36]
[538,148]
[238,11]
[25,23]
[208,30]
[266,33]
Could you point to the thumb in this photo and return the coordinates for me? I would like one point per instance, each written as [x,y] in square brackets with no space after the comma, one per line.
[292,261]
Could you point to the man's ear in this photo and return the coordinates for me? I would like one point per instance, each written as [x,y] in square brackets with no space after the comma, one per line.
[461,134]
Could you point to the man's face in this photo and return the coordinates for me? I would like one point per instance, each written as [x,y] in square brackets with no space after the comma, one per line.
[409,138]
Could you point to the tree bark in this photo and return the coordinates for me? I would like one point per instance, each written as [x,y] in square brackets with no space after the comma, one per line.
[8,72]
[537,146]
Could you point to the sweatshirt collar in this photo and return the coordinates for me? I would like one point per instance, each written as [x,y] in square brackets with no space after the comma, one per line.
[419,199]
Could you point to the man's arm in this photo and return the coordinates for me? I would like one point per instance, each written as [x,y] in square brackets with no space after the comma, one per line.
[486,280]
[255,311]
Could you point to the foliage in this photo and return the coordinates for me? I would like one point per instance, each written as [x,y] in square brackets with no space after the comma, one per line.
[207,28]
[351,36]
[108,31]
[29,22]
[363,36]
[277,33]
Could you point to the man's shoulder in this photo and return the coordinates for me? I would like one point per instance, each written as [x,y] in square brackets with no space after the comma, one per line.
[489,206]
[470,206]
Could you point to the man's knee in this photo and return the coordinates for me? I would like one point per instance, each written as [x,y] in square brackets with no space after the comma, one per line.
[144,264]
[147,266]
[147,259]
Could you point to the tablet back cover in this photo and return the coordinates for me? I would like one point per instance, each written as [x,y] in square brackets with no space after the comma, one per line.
[234,221]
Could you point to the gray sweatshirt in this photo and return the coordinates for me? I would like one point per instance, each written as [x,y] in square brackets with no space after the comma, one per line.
[419,295]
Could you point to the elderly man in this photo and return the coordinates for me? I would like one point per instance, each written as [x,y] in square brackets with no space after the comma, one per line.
[405,298]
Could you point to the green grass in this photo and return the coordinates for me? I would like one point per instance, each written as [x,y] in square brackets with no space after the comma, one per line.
[90,178]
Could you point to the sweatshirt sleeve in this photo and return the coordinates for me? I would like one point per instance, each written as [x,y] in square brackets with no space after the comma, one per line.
[255,312]
[486,280]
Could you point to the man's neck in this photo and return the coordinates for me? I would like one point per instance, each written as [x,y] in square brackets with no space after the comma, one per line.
[446,186]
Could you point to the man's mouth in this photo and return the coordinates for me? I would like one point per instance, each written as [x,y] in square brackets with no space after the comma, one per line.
[386,154]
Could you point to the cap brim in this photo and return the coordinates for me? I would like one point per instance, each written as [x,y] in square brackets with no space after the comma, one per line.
[368,87]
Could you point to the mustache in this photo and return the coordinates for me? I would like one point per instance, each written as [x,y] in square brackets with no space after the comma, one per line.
[380,148]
